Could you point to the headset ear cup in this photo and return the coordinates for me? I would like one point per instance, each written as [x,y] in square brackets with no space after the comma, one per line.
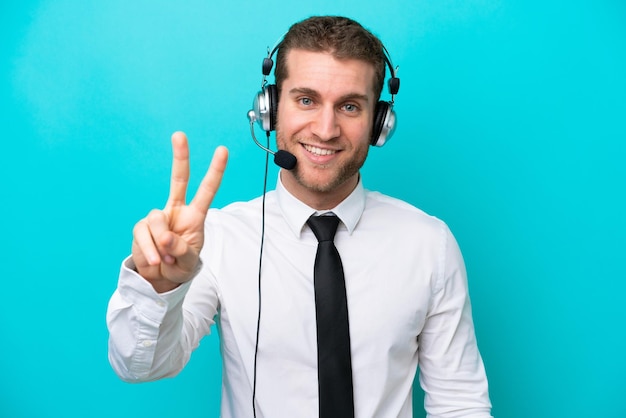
[379,121]
[261,109]
[272,94]
[384,123]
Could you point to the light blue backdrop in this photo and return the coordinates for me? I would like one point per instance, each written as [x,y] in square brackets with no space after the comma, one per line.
[512,123]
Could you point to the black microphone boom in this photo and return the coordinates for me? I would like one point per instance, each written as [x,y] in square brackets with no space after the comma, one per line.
[282,158]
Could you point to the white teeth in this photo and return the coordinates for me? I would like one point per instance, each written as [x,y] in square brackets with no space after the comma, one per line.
[318,151]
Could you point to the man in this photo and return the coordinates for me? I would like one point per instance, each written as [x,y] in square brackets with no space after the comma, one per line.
[405,282]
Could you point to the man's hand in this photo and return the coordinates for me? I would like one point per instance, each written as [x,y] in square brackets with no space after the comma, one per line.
[167,243]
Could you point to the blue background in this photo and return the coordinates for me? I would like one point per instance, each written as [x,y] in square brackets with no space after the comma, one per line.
[512,124]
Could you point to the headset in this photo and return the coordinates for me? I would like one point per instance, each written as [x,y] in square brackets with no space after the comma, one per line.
[265,103]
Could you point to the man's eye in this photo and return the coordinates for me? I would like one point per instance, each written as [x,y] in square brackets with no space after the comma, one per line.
[350,107]
[306,101]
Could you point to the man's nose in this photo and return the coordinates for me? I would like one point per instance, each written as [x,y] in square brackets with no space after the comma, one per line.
[325,125]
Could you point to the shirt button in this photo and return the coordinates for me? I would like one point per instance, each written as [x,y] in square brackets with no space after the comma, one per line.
[160,303]
[147,343]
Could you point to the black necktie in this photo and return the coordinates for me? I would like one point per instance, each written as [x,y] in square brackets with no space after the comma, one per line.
[333,333]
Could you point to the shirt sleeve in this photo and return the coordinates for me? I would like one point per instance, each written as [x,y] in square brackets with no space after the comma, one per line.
[452,373]
[152,335]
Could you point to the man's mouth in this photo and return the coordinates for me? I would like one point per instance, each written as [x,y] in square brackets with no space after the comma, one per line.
[318,151]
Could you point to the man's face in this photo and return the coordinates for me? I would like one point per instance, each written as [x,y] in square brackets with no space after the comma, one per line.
[325,117]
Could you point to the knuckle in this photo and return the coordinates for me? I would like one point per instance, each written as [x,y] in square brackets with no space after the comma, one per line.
[155,216]
[139,227]
[166,239]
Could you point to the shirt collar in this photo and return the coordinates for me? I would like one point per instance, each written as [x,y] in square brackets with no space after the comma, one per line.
[296,212]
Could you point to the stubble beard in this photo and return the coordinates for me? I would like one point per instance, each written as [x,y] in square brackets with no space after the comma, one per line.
[341,174]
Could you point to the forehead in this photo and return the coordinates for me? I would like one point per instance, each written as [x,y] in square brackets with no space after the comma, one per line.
[323,72]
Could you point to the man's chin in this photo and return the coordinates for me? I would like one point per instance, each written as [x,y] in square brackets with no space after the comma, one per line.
[326,182]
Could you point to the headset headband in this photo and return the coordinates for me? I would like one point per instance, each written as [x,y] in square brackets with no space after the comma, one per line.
[393,84]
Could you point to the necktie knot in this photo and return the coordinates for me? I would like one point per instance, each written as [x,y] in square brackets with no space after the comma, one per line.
[324,227]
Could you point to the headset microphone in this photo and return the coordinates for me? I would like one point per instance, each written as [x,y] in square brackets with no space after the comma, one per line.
[282,158]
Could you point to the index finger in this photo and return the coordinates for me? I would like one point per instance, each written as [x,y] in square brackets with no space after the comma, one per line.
[180,170]
[211,181]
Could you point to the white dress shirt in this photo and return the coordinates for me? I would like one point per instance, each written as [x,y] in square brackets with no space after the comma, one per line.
[407,298]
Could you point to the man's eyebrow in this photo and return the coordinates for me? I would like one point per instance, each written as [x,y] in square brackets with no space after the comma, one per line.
[313,93]
[303,90]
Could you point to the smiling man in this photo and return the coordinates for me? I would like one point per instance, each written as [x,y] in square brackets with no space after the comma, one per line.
[327,323]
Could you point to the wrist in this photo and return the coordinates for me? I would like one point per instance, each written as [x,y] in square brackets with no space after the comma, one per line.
[163,285]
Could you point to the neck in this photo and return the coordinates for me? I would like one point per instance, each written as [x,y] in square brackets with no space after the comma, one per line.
[318,199]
